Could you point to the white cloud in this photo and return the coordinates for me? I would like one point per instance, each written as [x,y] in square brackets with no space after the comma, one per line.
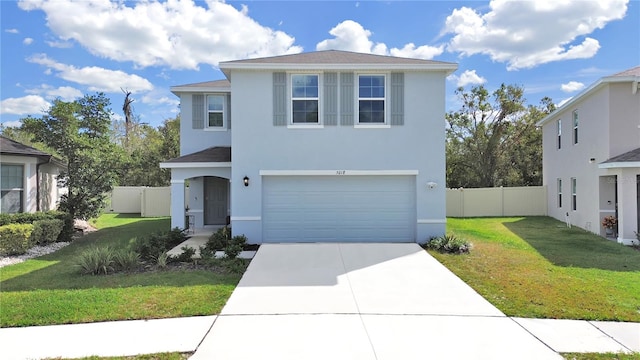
[525,34]
[572,86]
[468,77]
[178,34]
[96,78]
[11,31]
[13,124]
[27,41]
[30,104]
[64,93]
[157,99]
[60,44]
[351,36]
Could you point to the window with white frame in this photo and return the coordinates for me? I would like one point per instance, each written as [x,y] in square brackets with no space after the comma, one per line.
[575,127]
[559,182]
[559,133]
[371,99]
[215,112]
[12,188]
[574,196]
[304,98]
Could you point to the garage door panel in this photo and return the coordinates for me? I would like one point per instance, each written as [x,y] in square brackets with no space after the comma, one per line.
[338,208]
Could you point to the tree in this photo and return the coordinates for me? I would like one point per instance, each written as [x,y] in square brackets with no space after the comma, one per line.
[80,133]
[492,140]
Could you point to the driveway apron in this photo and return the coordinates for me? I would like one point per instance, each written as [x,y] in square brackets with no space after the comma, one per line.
[360,301]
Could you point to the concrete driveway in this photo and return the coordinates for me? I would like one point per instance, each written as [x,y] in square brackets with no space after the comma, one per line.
[360,301]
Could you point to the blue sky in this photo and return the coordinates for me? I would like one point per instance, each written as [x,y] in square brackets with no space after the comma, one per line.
[65,48]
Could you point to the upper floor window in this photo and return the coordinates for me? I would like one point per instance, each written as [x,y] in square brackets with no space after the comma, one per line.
[575,126]
[559,133]
[215,111]
[304,99]
[371,99]
[12,188]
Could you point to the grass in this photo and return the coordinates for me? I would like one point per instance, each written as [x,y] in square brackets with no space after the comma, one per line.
[602,356]
[159,356]
[536,267]
[49,290]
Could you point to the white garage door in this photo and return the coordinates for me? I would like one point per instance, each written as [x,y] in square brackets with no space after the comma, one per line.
[339,208]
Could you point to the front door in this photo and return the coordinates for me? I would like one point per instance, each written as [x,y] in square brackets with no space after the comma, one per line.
[215,200]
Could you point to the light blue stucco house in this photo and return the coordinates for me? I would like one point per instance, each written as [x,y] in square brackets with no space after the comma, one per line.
[315,147]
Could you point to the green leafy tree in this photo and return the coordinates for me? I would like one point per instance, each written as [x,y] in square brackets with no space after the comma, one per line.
[492,140]
[80,133]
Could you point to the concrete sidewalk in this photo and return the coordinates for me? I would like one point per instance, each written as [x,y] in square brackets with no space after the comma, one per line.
[340,301]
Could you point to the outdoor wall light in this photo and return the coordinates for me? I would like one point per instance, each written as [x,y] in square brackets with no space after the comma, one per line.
[246,181]
[431,185]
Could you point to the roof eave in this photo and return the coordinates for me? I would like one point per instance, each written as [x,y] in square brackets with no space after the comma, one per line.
[182,165]
[226,68]
[177,90]
[619,164]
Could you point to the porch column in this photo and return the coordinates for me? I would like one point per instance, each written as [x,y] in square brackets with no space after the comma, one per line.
[627,207]
[177,204]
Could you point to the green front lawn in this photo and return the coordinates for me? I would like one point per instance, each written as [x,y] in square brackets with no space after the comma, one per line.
[49,290]
[536,267]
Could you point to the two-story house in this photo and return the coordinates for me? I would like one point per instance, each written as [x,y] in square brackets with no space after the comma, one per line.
[591,156]
[315,147]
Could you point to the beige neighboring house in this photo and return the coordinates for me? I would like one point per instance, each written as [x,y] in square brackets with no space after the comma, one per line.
[591,156]
[29,178]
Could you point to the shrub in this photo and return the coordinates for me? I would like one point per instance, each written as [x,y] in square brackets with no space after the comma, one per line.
[46,231]
[219,239]
[449,244]
[206,253]
[162,260]
[96,261]
[152,246]
[235,246]
[15,239]
[186,255]
[125,260]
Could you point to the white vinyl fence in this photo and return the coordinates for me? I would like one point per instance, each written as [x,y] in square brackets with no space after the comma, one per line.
[511,201]
[501,201]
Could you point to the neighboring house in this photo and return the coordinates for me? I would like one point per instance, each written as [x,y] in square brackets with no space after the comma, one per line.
[591,156]
[313,147]
[29,178]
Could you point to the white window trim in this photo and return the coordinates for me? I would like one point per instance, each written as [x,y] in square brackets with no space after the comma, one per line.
[574,194]
[224,126]
[559,197]
[25,182]
[574,126]
[356,86]
[559,134]
[290,99]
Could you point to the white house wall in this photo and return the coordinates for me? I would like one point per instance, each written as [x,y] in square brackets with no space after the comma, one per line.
[575,161]
[262,146]
[624,120]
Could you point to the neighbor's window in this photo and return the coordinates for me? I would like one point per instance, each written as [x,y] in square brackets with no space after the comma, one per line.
[574,197]
[215,111]
[575,126]
[371,99]
[559,132]
[304,99]
[559,193]
[12,188]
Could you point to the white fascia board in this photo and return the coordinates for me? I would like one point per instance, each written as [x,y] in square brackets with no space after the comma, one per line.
[622,164]
[199,165]
[176,90]
[448,68]
[336,172]
[595,86]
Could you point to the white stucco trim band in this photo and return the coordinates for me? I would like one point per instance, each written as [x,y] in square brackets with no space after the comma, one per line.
[337,172]
[623,164]
[432,221]
[177,181]
[246,218]
[165,165]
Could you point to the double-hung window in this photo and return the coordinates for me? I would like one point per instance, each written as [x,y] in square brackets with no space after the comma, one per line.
[559,133]
[304,99]
[12,188]
[575,127]
[215,112]
[371,99]
[574,194]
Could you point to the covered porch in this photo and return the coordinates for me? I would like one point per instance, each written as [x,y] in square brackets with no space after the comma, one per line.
[200,189]
[620,194]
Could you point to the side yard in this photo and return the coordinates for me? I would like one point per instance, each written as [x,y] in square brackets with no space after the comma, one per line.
[50,290]
[537,267]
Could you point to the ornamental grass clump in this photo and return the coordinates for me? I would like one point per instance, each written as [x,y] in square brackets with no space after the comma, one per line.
[96,261]
[449,244]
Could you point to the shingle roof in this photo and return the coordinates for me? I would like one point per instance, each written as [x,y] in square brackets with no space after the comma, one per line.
[630,156]
[212,154]
[629,72]
[12,147]
[335,57]
[224,83]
